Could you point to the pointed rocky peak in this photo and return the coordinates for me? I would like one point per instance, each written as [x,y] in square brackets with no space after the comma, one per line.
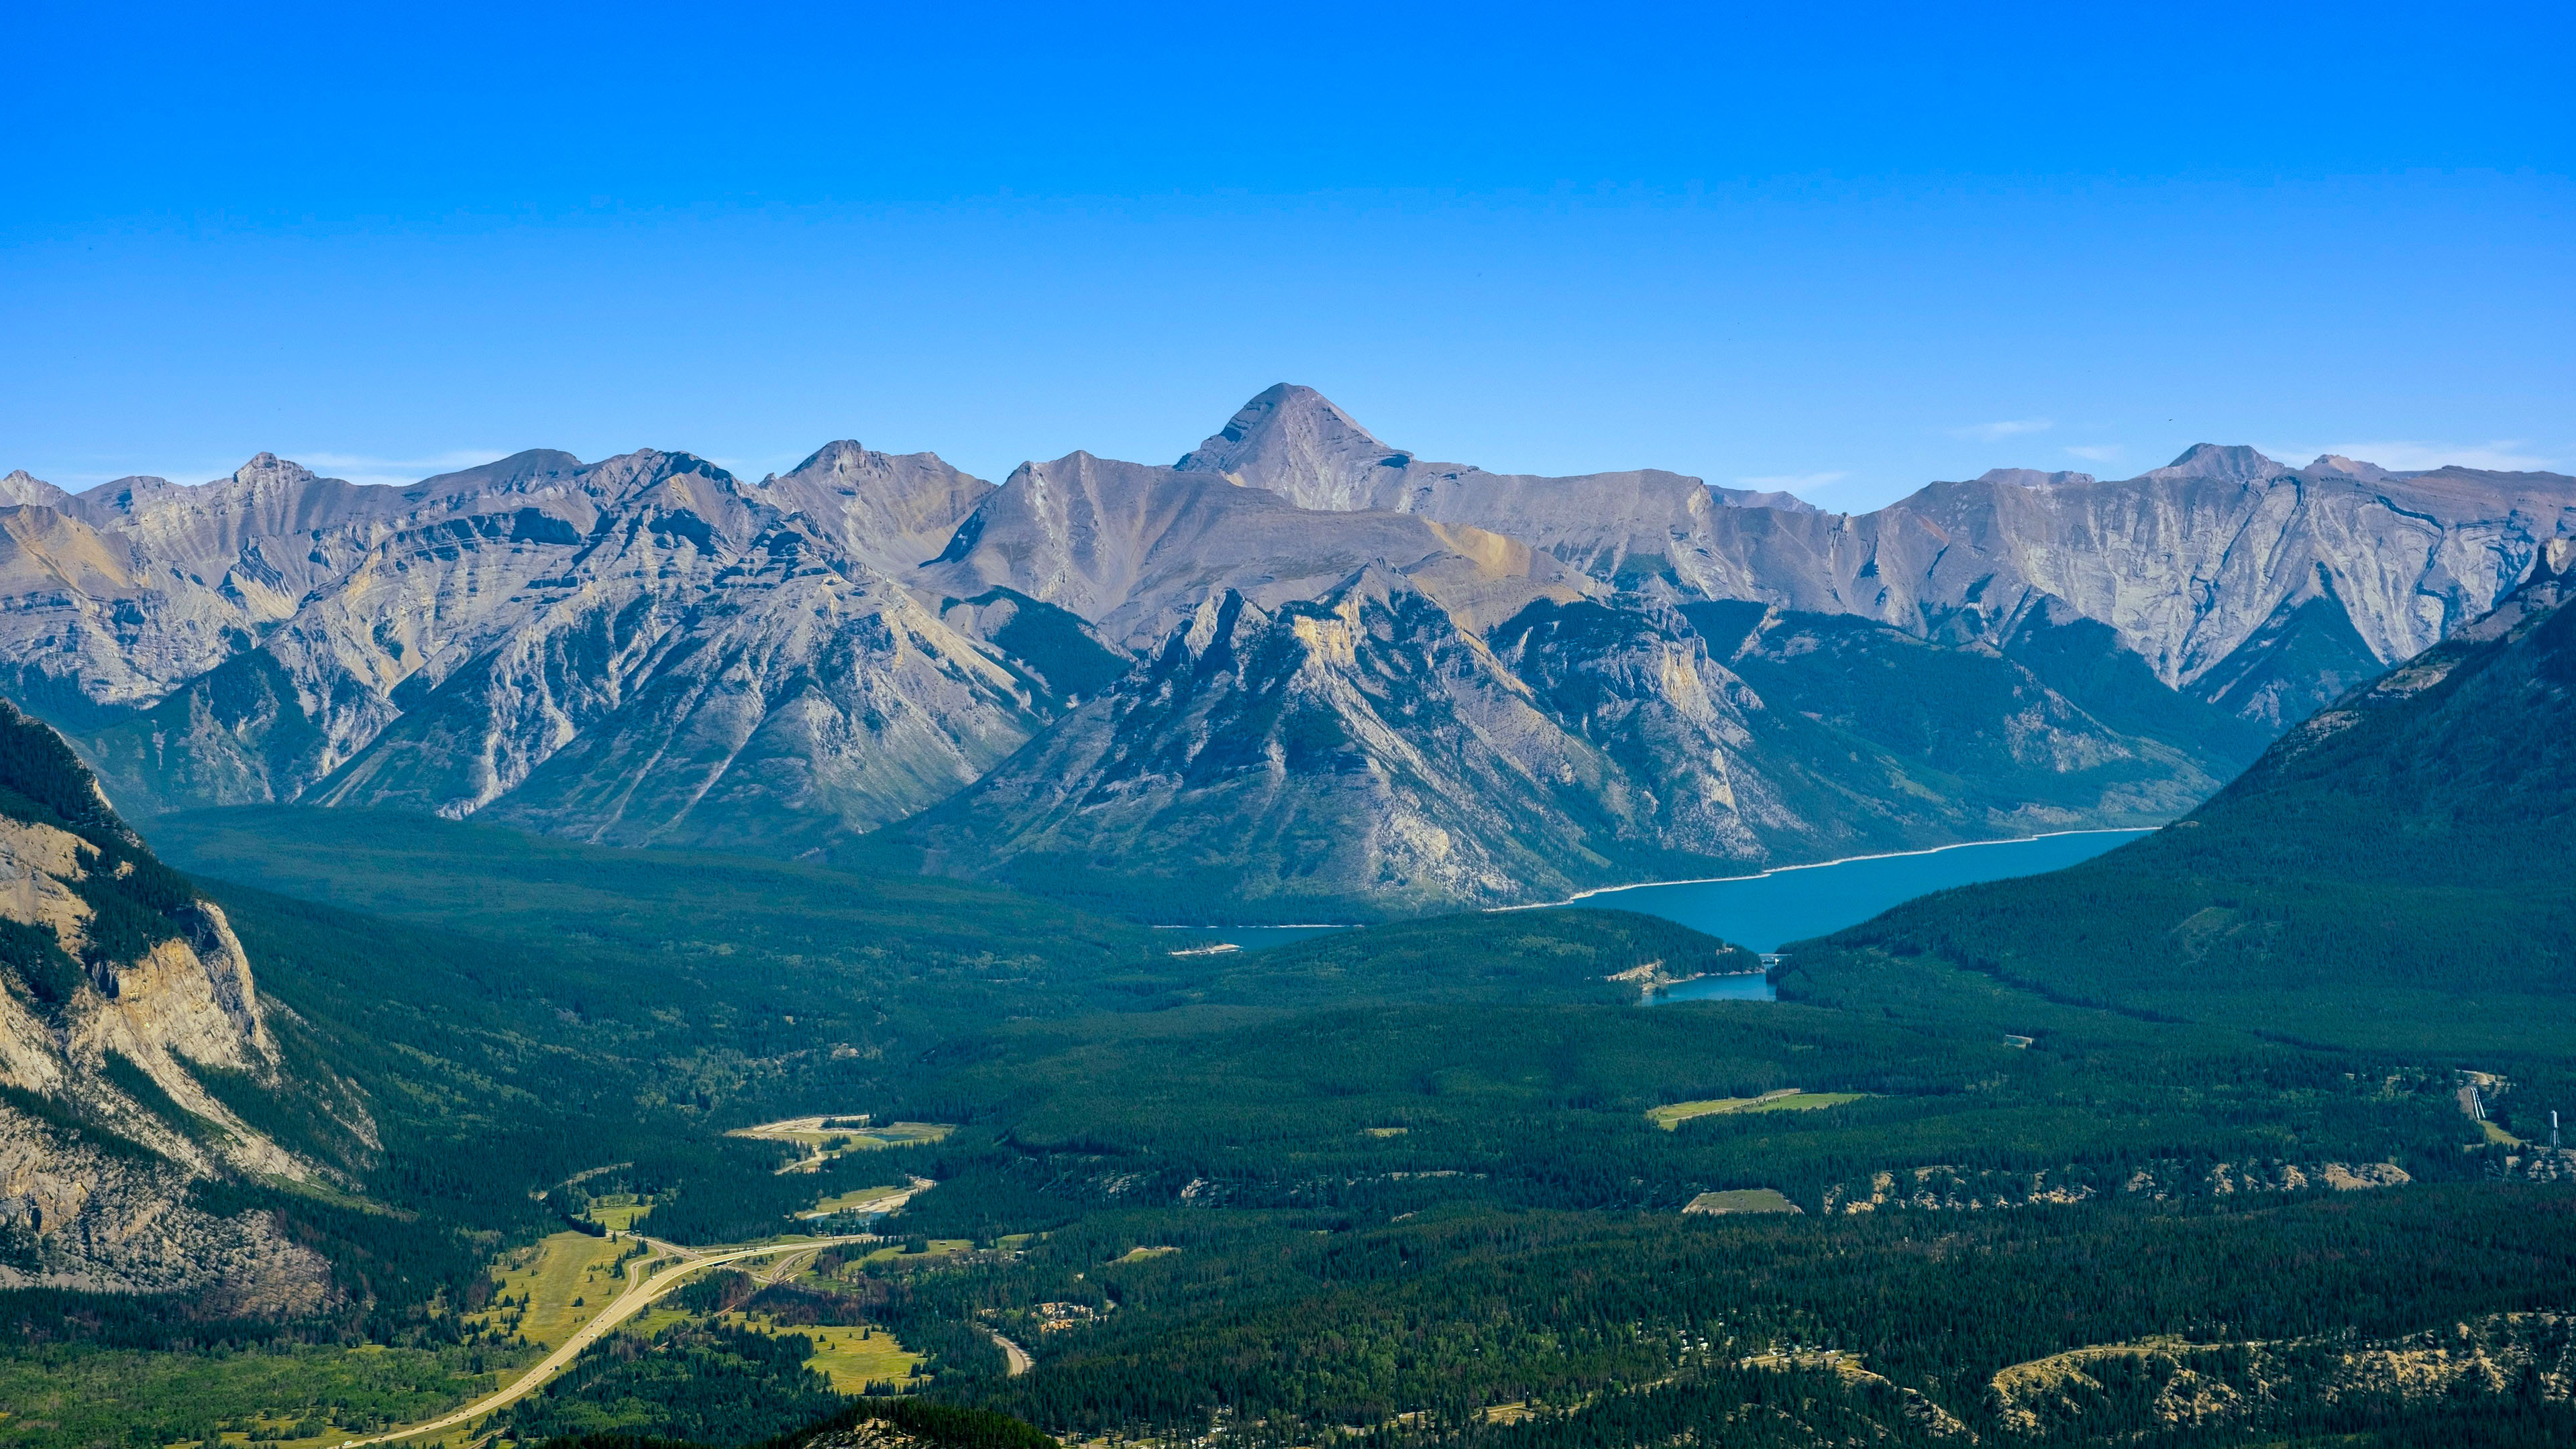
[2211,460]
[838,458]
[2035,479]
[647,471]
[2338,464]
[20,486]
[267,470]
[1283,410]
[893,509]
[1293,441]
[674,465]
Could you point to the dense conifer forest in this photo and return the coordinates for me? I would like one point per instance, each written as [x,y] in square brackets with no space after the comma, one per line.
[2168,1149]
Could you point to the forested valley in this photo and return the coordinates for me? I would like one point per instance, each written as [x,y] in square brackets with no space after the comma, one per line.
[2220,1139]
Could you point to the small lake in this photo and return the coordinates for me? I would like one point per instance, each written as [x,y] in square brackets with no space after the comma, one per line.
[1751,986]
[1793,903]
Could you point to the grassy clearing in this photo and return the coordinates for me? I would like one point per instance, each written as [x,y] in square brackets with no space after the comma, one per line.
[618,1211]
[1804,1101]
[653,1320]
[1138,1255]
[1742,1200]
[938,1248]
[549,1289]
[824,1138]
[70,1397]
[860,1200]
[1674,1114]
[852,1358]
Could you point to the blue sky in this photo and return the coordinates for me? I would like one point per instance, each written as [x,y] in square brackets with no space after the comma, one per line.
[1841,250]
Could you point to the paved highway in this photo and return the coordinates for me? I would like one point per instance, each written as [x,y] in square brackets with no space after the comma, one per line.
[642,1288]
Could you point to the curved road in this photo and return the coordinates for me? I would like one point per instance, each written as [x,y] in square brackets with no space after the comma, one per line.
[641,1289]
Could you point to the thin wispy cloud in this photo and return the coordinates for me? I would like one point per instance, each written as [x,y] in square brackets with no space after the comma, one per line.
[1997,432]
[2506,455]
[348,467]
[1791,482]
[366,468]
[76,481]
[2094,452]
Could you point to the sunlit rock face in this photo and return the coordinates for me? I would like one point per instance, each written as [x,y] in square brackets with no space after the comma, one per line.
[719,657]
[649,649]
[109,1046]
[2201,566]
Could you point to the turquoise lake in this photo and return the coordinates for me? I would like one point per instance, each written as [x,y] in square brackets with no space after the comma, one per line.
[1791,904]
[1764,911]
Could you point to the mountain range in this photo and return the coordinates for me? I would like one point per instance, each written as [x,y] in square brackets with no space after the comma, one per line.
[1300,668]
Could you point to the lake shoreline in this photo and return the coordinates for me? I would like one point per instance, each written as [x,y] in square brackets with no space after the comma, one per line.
[1580,896]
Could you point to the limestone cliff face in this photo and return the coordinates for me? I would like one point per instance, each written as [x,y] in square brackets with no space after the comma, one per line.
[123,992]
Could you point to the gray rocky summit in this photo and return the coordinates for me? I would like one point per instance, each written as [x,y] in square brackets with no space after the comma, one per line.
[1301,662]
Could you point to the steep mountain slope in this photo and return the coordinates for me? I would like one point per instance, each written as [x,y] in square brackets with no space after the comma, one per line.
[647,649]
[2201,567]
[697,638]
[124,993]
[1375,745]
[2399,868]
[1485,724]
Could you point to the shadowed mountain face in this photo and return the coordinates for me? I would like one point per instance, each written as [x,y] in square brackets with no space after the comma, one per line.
[1301,665]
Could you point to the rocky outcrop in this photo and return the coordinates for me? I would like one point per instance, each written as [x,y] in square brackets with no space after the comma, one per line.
[2138,1392]
[1943,1188]
[124,995]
